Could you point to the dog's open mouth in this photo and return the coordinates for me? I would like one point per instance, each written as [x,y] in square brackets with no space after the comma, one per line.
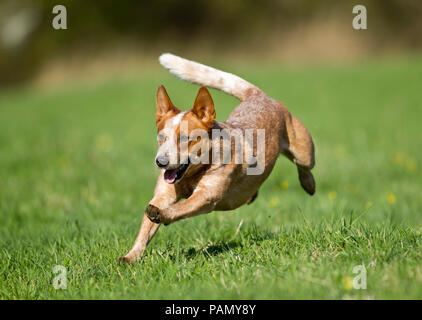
[171,176]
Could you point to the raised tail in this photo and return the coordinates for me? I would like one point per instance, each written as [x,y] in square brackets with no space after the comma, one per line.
[207,76]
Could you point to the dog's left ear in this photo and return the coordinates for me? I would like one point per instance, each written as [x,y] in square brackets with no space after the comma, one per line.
[164,103]
[203,107]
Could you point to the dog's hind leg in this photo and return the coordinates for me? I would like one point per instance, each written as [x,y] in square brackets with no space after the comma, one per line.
[252,199]
[306,179]
[300,150]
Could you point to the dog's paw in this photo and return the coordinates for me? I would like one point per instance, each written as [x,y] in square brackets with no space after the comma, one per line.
[153,213]
[126,260]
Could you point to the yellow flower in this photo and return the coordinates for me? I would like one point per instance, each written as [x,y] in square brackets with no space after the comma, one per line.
[332,195]
[347,283]
[273,202]
[391,198]
[403,160]
[399,158]
[284,185]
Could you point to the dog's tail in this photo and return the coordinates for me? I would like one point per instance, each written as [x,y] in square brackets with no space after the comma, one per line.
[207,76]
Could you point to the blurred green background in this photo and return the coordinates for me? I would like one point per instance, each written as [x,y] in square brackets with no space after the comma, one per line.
[78,139]
[107,33]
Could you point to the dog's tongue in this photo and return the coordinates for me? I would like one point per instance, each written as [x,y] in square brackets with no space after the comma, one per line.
[170,175]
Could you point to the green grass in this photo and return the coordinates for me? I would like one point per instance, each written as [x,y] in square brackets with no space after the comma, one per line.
[76,172]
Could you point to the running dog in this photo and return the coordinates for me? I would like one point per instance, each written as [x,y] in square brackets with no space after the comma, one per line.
[208,186]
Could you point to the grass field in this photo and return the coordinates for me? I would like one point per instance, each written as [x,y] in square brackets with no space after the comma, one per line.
[76,172]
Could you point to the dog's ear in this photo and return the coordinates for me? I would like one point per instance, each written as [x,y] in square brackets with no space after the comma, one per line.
[164,103]
[203,108]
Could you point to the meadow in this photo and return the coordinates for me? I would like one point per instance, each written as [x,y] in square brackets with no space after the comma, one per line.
[77,170]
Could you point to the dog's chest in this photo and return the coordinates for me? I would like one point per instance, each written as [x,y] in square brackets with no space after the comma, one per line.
[187,187]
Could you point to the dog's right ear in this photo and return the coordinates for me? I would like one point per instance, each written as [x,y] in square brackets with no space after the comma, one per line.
[203,108]
[164,104]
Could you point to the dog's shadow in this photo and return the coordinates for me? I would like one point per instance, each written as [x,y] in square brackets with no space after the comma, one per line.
[213,249]
[223,246]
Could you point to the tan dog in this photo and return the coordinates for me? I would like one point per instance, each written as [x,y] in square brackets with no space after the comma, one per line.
[217,185]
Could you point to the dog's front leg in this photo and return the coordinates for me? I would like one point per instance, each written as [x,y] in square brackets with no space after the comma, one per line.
[165,195]
[146,232]
[199,202]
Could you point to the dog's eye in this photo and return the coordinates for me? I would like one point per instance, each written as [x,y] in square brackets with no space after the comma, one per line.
[161,137]
[184,138]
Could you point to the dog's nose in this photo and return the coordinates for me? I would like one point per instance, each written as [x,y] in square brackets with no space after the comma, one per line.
[161,161]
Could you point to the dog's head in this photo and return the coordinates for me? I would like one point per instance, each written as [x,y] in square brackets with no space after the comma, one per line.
[183,136]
